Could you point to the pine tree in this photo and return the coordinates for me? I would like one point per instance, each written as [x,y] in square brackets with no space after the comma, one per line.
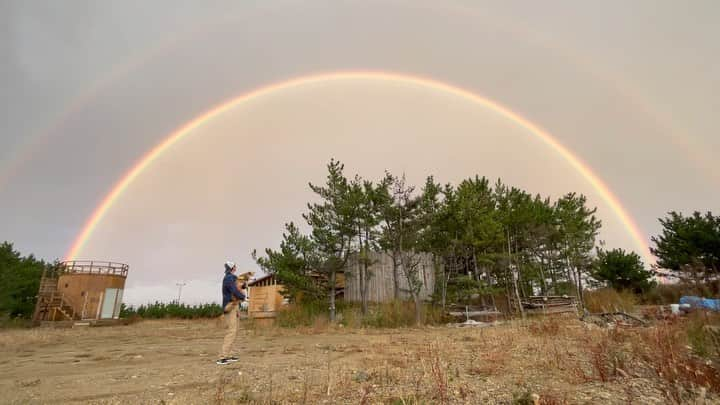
[293,264]
[622,271]
[332,221]
[689,242]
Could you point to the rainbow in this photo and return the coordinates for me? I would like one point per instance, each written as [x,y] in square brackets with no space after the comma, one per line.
[183,131]
[700,158]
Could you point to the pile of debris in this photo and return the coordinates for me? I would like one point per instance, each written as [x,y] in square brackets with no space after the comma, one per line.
[474,313]
[549,304]
[613,319]
[473,324]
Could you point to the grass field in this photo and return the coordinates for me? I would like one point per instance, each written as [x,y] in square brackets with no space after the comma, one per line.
[551,361]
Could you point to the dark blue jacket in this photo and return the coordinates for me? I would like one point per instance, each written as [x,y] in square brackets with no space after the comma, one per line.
[230,290]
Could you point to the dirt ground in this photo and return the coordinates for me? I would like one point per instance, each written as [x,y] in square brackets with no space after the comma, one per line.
[173,362]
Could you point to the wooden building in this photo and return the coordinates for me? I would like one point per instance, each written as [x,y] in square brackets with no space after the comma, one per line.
[81,290]
[265,297]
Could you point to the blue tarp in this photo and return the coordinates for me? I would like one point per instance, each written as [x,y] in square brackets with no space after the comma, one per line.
[701,303]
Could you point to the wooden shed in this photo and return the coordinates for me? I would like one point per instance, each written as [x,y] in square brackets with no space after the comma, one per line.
[265,297]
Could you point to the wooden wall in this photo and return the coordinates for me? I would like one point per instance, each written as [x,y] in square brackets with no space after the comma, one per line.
[381,281]
[265,300]
[85,291]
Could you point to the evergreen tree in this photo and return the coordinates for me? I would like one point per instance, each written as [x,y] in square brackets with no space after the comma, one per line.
[365,202]
[19,282]
[622,271]
[482,239]
[332,221]
[293,264]
[578,228]
[689,242]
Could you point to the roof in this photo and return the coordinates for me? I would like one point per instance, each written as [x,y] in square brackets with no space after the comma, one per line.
[263,278]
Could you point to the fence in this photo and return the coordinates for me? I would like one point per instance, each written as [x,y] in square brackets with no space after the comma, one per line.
[380,284]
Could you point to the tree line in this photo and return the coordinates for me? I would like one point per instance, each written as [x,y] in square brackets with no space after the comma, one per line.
[487,240]
[159,310]
[19,282]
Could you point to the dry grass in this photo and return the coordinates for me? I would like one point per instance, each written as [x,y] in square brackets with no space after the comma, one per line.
[549,326]
[609,300]
[27,337]
[664,350]
[553,360]
[607,358]
[703,330]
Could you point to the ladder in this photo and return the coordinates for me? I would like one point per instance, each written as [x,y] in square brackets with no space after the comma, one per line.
[49,301]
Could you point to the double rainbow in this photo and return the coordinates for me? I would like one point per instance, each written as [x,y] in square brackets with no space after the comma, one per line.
[585,171]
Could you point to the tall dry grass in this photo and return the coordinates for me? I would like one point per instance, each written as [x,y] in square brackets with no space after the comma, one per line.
[665,294]
[609,300]
[664,349]
[394,314]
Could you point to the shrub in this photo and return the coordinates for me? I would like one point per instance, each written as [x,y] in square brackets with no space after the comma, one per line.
[397,314]
[665,294]
[15,323]
[703,332]
[663,349]
[160,310]
[392,314]
[609,300]
[303,314]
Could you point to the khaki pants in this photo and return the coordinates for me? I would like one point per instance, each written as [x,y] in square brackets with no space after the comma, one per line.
[231,323]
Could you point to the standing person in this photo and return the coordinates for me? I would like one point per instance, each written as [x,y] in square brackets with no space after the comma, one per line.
[231,297]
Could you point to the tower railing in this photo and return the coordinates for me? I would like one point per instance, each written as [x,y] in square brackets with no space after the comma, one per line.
[94,267]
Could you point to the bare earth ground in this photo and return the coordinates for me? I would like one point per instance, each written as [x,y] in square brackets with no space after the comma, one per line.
[173,362]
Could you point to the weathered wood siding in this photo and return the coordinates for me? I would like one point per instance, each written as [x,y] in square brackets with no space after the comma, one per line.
[265,298]
[85,292]
[381,279]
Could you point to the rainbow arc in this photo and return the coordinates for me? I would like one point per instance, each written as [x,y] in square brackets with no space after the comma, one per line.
[188,128]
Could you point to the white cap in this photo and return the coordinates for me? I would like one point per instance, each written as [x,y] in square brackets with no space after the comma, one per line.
[229,266]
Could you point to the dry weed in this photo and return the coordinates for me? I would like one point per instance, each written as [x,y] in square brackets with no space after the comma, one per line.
[664,350]
[437,372]
[488,364]
[549,326]
[607,359]
[609,300]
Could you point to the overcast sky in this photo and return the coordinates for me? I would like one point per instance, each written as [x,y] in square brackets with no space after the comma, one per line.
[631,88]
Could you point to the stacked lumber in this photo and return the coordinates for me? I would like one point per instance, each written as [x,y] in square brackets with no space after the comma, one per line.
[549,304]
[473,312]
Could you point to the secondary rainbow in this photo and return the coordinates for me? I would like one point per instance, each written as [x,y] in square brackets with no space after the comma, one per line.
[595,181]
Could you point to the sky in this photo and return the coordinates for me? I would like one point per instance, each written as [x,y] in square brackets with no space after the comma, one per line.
[88,88]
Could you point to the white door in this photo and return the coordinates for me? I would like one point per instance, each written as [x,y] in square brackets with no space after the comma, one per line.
[118,303]
[108,306]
